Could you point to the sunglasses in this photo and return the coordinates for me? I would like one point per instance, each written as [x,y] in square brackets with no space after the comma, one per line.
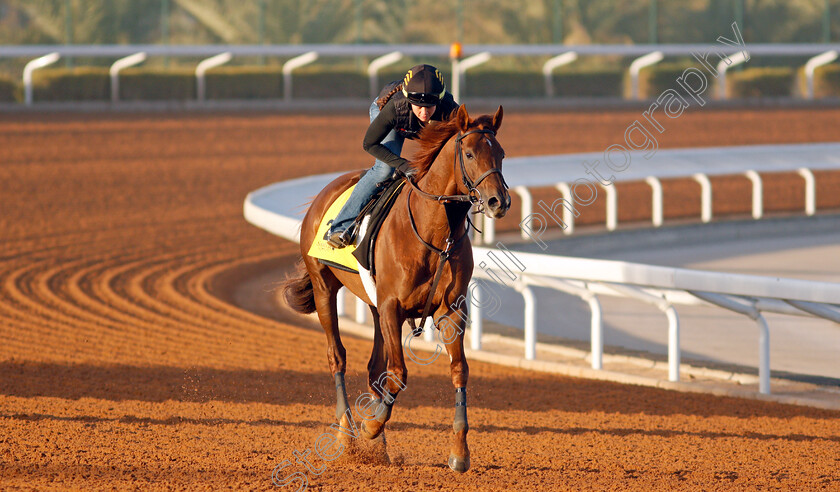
[423,98]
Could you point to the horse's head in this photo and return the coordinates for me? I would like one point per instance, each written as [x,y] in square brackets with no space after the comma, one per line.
[479,161]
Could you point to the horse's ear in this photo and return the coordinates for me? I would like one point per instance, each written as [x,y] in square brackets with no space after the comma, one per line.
[462,118]
[497,119]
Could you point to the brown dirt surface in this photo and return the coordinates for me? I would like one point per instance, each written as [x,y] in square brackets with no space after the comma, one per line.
[129,359]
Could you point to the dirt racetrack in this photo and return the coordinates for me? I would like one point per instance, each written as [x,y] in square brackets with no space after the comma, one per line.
[129,359]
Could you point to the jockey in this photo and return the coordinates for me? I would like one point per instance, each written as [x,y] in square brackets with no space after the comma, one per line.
[401,111]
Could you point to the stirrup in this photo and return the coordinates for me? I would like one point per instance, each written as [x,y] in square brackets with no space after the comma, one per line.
[339,240]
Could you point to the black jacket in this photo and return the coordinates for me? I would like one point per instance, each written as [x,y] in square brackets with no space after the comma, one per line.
[397,115]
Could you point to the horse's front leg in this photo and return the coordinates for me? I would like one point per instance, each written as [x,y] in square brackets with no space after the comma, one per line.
[386,385]
[451,331]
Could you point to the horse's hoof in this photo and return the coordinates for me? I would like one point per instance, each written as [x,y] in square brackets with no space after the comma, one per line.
[368,434]
[459,464]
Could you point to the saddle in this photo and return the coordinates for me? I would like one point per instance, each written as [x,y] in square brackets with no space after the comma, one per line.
[368,224]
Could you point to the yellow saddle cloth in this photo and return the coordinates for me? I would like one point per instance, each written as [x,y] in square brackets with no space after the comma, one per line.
[321,249]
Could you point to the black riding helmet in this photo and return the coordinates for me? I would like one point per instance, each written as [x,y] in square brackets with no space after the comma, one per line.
[423,86]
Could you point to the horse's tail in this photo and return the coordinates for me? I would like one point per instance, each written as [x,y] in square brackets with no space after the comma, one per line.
[297,290]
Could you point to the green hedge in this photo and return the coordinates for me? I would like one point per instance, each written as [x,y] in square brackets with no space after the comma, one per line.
[71,84]
[315,83]
[586,83]
[244,83]
[145,84]
[9,90]
[827,81]
[655,80]
[488,83]
[761,82]
[254,82]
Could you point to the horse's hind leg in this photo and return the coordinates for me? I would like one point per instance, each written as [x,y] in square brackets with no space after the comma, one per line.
[325,288]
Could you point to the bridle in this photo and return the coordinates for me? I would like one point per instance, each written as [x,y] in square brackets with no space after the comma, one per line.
[472,186]
[473,197]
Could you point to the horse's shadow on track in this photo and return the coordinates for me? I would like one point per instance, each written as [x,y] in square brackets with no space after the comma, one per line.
[534,393]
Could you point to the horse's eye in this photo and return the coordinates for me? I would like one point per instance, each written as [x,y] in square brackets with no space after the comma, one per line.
[469,155]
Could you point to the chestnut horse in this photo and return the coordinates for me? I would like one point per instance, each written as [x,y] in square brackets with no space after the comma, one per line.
[423,264]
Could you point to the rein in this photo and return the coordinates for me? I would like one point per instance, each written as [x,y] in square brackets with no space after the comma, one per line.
[473,197]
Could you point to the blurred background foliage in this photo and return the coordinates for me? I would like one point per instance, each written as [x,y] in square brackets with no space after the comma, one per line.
[416,21]
[570,22]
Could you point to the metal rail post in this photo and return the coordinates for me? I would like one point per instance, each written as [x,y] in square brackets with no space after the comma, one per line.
[118,66]
[30,67]
[810,190]
[527,206]
[289,66]
[530,322]
[596,332]
[378,64]
[705,196]
[476,328]
[637,65]
[750,310]
[666,307]
[723,66]
[812,65]
[553,63]
[462,67]
[757,194]
[612,206]
[488,234]
[657,209]
[203,67]
[568,216]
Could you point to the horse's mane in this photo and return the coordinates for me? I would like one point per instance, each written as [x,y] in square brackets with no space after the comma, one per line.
[432,139]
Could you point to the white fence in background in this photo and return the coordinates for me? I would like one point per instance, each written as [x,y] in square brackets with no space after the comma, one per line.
[819,54]
[561,171]
[278,209]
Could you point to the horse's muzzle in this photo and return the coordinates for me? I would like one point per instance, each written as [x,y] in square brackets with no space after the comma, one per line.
[498,205]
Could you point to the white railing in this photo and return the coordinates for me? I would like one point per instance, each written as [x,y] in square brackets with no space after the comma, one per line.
[430,50]
[561,171]
[664,288]
[427,50]
[277,209]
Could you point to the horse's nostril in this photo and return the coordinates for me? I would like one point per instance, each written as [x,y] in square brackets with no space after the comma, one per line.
[493,203]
